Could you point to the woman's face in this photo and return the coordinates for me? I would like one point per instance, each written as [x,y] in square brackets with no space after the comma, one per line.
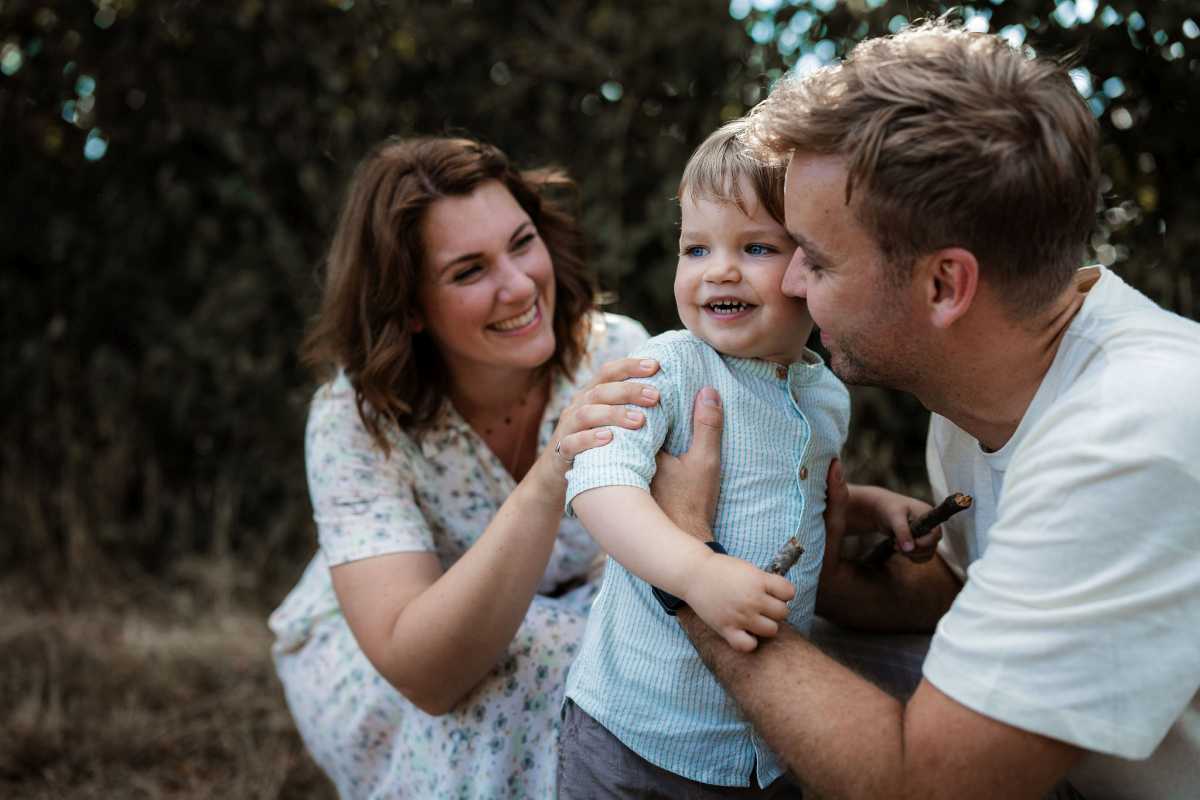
[487,292]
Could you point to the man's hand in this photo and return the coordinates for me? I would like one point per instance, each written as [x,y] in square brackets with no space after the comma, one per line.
[686,488]
[837,501]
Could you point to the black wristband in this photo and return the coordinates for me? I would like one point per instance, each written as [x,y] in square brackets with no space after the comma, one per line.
[670,603]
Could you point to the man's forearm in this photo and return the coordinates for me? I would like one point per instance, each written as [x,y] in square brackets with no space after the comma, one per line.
[844,738]
[795,696]
[896,597]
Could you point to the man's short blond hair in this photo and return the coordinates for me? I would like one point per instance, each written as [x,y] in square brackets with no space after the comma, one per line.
[952,138]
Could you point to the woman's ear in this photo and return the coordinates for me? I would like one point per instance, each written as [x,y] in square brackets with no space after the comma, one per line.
[416,322]
[951,278]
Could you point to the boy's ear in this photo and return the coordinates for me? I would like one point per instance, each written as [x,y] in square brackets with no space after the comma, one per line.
[950,280]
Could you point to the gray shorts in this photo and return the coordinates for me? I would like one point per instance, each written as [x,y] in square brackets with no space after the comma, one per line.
[595,765]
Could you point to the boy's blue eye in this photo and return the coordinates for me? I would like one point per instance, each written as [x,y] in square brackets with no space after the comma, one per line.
[760,249]
[696,251]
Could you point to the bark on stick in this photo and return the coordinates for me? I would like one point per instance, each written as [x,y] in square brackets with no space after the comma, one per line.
[786,556]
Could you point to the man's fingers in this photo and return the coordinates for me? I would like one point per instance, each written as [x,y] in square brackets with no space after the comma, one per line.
[837,497]
[707,421]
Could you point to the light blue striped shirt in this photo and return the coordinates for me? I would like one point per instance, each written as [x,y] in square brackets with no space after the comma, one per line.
[637,674]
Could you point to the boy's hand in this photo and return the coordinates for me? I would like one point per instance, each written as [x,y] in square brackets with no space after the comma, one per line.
[892,513]
[738,600]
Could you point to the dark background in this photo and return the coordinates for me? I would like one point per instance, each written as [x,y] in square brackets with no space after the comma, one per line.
[172,171]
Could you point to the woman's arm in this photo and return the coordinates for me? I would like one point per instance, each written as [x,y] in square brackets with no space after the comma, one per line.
[434,635]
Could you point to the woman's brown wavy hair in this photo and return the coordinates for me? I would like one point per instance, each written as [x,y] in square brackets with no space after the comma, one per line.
[375,263]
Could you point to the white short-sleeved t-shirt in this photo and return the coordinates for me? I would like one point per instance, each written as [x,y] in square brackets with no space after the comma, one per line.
[1080,615]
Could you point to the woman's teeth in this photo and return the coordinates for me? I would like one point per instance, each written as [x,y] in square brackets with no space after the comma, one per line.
[728,307]
[520,321]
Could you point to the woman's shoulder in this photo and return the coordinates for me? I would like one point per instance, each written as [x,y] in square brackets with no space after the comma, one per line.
[334,422]
[613,336]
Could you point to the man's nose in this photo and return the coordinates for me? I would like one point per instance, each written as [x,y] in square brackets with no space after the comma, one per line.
[795,278]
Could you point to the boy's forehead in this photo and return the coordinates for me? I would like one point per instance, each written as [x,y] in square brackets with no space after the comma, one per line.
[737,194]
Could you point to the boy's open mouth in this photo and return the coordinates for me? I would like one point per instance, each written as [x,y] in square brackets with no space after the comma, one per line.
[727,307]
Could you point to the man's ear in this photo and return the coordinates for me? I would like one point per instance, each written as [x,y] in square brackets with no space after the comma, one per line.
[951,280]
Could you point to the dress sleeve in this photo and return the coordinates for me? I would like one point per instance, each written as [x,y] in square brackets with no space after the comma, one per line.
[1079,621]
[363,501]
[628,460]
[615,336]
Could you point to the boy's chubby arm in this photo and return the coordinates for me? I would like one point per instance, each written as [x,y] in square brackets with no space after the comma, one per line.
[735,598]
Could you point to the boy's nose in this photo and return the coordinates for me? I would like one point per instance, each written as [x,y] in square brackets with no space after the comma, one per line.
[793,284]
[722,271]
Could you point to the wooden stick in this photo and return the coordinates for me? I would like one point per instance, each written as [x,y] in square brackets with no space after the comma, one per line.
[922,525]
[785,557]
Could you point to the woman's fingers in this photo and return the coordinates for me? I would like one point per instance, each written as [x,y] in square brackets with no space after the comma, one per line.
[619,394]
[623,368]
[573,444]
[593,416]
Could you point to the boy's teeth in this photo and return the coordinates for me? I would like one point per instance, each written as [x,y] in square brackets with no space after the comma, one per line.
[518,321]
[728,307]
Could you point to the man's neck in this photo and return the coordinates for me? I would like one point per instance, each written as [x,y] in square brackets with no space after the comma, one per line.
[998,365]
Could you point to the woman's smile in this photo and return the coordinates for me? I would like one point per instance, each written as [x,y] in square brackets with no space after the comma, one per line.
[521,324]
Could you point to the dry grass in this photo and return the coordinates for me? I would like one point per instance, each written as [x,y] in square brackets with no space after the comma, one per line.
[121,702]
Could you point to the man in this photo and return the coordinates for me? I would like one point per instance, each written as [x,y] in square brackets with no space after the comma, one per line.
[941,187]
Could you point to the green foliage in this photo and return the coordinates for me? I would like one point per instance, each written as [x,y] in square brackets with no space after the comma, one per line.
[173,169]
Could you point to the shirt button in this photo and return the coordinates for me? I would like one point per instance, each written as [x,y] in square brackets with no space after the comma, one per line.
[781,372]
[804,473]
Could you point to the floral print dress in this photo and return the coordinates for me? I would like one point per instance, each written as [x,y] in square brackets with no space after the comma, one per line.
[437,496]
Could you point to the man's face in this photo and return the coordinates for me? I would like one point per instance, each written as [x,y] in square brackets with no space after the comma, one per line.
[866,323]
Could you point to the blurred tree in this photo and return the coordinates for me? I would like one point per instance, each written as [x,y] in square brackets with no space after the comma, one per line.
[173,169]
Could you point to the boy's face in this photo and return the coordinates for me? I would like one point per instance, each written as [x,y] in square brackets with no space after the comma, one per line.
[727,284]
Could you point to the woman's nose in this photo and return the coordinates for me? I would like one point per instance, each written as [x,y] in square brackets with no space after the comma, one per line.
[516,284]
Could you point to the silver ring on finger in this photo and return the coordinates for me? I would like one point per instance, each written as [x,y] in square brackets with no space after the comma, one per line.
[558,452]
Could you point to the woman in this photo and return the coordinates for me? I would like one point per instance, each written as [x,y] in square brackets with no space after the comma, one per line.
[424,650]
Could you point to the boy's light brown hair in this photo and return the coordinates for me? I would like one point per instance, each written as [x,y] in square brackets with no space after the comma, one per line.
[717,167]
[952,138]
